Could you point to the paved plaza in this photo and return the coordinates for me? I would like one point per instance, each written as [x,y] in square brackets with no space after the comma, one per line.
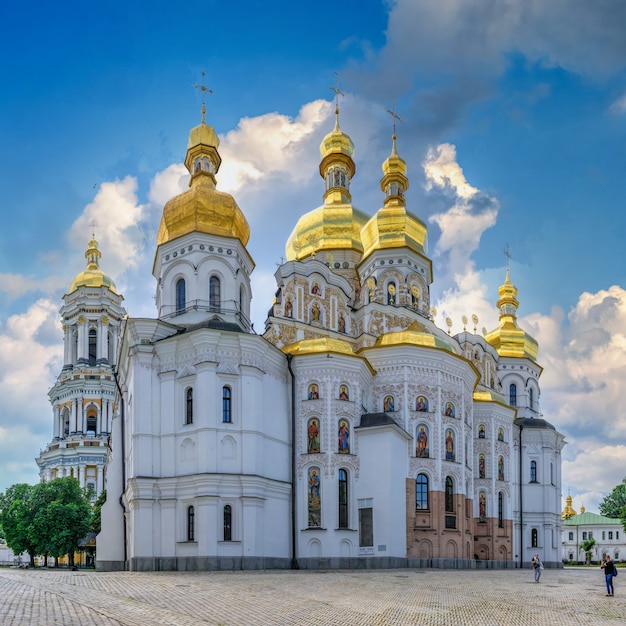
[308,598]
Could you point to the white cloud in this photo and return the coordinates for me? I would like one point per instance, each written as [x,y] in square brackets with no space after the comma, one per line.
[29,362]
[452,36]
[14,286]
[468,214]
[270,143]
[116,213]
[168,183]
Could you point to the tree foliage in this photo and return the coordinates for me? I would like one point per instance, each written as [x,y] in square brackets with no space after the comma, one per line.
[96,520]
[16,514]
[587,546]
[49,518]
[614,504]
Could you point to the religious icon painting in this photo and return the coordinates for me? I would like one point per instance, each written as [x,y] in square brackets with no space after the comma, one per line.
[421,404]
[314,498]
[388,404]
[313,436]
[343,437]
[450,456]
[343,392]
[421,442]
[449,412]
[313,392]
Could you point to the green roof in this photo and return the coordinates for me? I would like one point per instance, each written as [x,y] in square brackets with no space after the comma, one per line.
[591,519]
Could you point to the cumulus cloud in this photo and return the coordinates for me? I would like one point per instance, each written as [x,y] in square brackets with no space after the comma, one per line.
[270,143]
[468,213]
[116,213]
[29,362]
[457,36]
[14,286]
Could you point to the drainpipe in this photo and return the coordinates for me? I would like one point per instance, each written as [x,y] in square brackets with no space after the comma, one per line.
[117,384]
[294,557]
[521,510]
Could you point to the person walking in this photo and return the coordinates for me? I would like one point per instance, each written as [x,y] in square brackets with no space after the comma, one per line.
[609,572]
[537,567]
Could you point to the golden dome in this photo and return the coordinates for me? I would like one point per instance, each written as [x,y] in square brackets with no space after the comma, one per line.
[93,276]
[326,228]
[393,226]
[320,345]
[202,208]
[336,225]
[509,339]
[568,511]
[416,335]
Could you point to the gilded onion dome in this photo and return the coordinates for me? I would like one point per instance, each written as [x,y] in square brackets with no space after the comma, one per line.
[92,276]
[319,345]
[393,226]
[416,334]
[202,208]
[336,224]
[509,339]
[568,511]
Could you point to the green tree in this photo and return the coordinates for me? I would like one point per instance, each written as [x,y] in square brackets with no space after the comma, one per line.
[16,518]
[62,517]
[613,504]
[96,520]
[587,546]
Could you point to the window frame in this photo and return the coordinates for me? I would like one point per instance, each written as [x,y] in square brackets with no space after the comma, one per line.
[227,404]
[422,488]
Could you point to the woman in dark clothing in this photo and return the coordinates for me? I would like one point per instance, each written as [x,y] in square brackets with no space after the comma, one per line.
[609,571]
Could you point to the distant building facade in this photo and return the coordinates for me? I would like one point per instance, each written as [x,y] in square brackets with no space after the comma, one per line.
[607,531]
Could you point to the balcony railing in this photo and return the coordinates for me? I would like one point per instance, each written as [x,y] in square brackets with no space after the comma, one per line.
[227,308]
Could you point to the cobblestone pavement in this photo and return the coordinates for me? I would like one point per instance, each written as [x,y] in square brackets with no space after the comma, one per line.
[308,598]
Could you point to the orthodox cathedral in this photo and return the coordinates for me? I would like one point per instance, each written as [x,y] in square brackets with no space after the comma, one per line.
[353,432]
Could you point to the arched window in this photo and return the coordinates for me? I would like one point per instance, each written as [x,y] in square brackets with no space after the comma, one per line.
[228,523]
[391,293]
[449,495]
[343,498]
[93,346]
[227,417]
[513,394]
[500,510]
[66,421]
[500,434]
[481,431]
[449,504]
[531,400]
[181,302]
[534,538]
[421,492]
[189,406]
[92,422]
[191,523]
[533,471]
[214,293]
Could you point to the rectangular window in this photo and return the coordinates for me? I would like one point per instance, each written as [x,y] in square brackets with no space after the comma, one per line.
[590,535]
[610,535]
[571,536]
[617,535]
[450,521]
[584,536]
[603,535]
[366,528]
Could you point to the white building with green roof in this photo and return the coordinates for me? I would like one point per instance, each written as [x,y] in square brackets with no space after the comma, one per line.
[607,531]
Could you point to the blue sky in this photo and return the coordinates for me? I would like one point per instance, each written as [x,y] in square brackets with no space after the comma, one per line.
[514,132]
